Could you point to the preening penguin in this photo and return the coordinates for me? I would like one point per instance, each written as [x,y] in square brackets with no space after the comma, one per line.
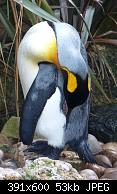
[43,111]
[53,71]
[42,84]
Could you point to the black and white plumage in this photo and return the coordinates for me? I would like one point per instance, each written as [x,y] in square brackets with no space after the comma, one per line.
[53,71]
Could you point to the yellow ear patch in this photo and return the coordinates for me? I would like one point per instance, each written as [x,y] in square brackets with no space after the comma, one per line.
[51,52]
[89,84]
[46,46]
[72,81]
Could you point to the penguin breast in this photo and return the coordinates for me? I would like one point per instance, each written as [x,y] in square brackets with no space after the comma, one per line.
[52,121]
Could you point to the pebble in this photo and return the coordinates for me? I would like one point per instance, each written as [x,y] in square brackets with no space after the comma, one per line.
[99,170]
[110,146]
[110,174]
[47,169]
[9,174]
[115,165]
[1,154]
[94,144]
[69,154]
[103,161]
[110,150]
[88,174]
[111,154]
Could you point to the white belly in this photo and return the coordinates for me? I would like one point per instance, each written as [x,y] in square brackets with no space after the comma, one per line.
[52,122]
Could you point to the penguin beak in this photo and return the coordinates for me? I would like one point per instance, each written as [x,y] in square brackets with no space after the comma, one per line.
[40,91]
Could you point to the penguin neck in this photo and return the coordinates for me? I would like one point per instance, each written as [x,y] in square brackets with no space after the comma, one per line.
[79,95]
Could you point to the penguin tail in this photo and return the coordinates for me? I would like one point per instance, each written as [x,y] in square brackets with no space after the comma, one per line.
[85,153]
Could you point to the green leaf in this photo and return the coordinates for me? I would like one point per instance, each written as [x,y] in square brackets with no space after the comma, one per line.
[7,25]
[64,10]
[97,84]
[37,10]
[11,127]
[109,69]
[79,12]
[45,6]
[30,16]
[88,19]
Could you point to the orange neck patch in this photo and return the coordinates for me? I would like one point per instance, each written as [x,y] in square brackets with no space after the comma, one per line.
[72,81]
[51,52]
[89,84]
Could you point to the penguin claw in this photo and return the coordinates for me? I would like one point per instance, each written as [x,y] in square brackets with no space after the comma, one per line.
[45,150]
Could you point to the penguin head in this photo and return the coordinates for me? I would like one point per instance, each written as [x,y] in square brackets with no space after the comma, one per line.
[57,43]
[73,62]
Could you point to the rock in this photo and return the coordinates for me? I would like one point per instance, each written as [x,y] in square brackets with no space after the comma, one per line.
[47,169]
[69,154]
[10,163]
[110,150]
[103,161]
[108,170]
[72,158]
[103,122]
[11,127]
[19,155]
[105,179]
[99,170]
[112,155]
[1,154]
[88,174]
[110,174]
[110,146]
[115,165]
[9,174]
[8,151]
[3,139]
[94,144]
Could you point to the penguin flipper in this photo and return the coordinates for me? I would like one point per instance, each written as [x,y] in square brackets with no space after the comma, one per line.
[40,91]
[85,153]
[77,131]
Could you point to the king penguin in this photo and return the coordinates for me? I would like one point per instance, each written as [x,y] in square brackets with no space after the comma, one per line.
[56,84]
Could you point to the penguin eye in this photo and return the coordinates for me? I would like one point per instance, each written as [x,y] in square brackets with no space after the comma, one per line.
[72,80]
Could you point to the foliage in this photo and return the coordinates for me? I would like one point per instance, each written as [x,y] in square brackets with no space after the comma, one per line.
[87,16]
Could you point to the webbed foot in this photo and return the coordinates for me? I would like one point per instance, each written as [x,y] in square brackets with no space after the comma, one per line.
[45,150]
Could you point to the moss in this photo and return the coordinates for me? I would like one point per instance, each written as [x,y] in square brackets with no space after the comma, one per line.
[11,127]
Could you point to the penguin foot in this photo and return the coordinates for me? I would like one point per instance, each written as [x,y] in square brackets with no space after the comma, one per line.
[38,146]
[45,150]
[52,152]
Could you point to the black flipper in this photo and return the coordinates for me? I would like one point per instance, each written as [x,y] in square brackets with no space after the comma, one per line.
[85,153]
[40,91]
